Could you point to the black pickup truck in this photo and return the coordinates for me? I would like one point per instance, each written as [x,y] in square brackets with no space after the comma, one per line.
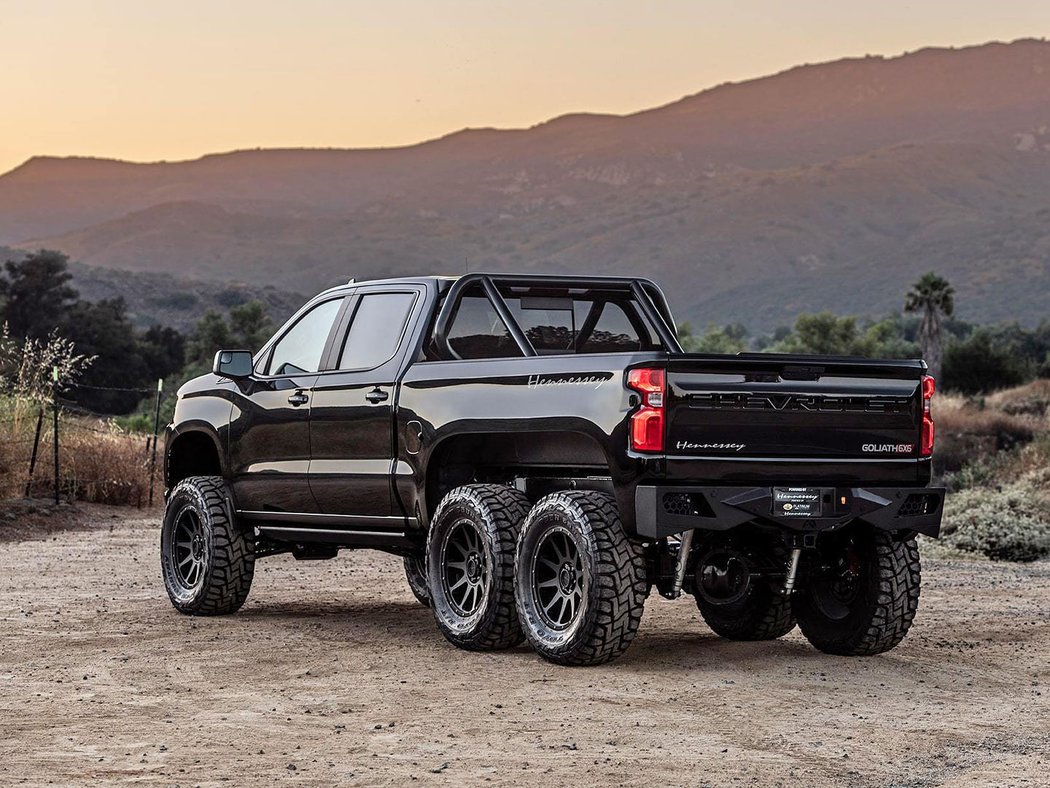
[542,454]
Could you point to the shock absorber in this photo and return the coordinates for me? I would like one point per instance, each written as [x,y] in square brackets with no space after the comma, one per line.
[685,544]
[792,570]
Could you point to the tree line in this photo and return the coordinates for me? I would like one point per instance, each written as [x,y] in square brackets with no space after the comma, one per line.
[38,301]
[962,356]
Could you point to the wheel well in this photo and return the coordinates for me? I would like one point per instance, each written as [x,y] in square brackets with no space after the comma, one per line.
[191,454]
[502,457]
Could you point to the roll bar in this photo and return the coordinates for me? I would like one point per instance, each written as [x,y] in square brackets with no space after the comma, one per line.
[649,298]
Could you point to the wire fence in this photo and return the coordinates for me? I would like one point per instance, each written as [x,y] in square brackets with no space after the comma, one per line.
[62,449]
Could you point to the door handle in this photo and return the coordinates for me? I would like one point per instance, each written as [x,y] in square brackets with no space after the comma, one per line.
[298,398]
[377,395]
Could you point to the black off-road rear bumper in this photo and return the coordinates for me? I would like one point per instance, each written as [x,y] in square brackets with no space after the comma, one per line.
[663,511]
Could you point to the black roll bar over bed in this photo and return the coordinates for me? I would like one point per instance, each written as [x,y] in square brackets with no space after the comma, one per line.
[645,293]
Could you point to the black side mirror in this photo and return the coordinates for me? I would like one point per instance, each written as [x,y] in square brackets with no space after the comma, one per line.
[233,363]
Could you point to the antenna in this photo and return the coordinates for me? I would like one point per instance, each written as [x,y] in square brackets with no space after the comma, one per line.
[353,280]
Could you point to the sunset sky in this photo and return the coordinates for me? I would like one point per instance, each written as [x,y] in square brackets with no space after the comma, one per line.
[151,80]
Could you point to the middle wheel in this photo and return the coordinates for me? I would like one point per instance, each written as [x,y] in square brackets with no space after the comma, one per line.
[470,565]
[580,583]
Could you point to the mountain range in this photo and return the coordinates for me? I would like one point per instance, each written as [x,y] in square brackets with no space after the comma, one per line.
[829,186]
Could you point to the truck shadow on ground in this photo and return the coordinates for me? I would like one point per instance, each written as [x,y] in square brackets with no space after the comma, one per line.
[408,625]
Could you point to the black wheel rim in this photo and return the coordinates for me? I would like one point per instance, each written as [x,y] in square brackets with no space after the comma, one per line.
[837,585]
[188,549]
[465,568]
[557,579]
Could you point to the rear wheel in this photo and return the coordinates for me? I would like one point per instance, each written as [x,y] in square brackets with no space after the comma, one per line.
[416,575]
[581,584]
[470,565]
[735,591]
[207,561]
[860,593]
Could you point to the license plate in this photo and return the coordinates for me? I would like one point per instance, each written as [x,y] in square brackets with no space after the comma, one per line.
[797,501]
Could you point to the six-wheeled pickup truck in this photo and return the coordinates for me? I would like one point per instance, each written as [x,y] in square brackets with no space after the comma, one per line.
[542,453]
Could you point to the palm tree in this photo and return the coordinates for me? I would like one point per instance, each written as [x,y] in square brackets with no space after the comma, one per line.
[934,298]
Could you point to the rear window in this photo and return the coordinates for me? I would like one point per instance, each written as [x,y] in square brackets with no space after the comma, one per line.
[576,325]
[584,321]
[478,332]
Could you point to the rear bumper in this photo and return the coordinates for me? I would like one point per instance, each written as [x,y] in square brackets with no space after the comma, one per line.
[663,511]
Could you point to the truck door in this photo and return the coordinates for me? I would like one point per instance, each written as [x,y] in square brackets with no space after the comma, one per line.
[270,425]
[351,422]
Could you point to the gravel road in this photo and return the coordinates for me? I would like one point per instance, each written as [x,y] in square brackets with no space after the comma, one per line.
[332,673]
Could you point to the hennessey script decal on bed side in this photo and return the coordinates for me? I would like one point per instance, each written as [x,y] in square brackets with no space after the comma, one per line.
[690,446]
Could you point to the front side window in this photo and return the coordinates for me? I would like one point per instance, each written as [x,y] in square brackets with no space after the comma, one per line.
[376,330]
[299,351]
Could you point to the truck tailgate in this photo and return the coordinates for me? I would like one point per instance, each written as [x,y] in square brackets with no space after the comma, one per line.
[768,405]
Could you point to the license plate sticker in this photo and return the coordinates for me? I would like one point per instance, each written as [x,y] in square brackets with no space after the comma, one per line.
[797,501]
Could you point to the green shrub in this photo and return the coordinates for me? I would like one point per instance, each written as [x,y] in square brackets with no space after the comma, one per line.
[979,364]
[1008,524]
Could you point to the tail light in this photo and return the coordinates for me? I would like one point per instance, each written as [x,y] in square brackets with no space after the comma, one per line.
[929,385]
[647,423]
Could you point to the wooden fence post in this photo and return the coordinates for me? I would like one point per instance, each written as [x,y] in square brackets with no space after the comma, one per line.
[36,445]
[54,409]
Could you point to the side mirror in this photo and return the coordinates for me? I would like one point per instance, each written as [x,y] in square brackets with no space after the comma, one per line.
[233,363]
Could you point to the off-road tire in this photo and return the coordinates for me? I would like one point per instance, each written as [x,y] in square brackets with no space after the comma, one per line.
[885,605]
[416,575]
[613,573]
[763,614]
[495,513]
[225,563]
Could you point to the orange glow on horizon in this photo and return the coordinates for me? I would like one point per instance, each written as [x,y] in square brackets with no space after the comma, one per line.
[145,81]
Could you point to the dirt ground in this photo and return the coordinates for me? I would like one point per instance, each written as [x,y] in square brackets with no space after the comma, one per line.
[332,673]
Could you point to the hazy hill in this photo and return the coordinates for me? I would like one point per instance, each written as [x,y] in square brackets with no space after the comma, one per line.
[826,186]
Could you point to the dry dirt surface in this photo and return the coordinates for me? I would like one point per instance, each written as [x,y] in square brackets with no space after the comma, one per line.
[332,673]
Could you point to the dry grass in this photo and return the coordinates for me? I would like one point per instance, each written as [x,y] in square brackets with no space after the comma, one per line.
[995,453]
[1031,399]
[969,429]
[98,462]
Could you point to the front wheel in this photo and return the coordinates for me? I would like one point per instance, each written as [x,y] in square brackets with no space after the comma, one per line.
[580,583]
[860,593]
[206,560]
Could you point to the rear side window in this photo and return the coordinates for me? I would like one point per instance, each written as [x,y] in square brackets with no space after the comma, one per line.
[478,332]
[376,330]
[299,350]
